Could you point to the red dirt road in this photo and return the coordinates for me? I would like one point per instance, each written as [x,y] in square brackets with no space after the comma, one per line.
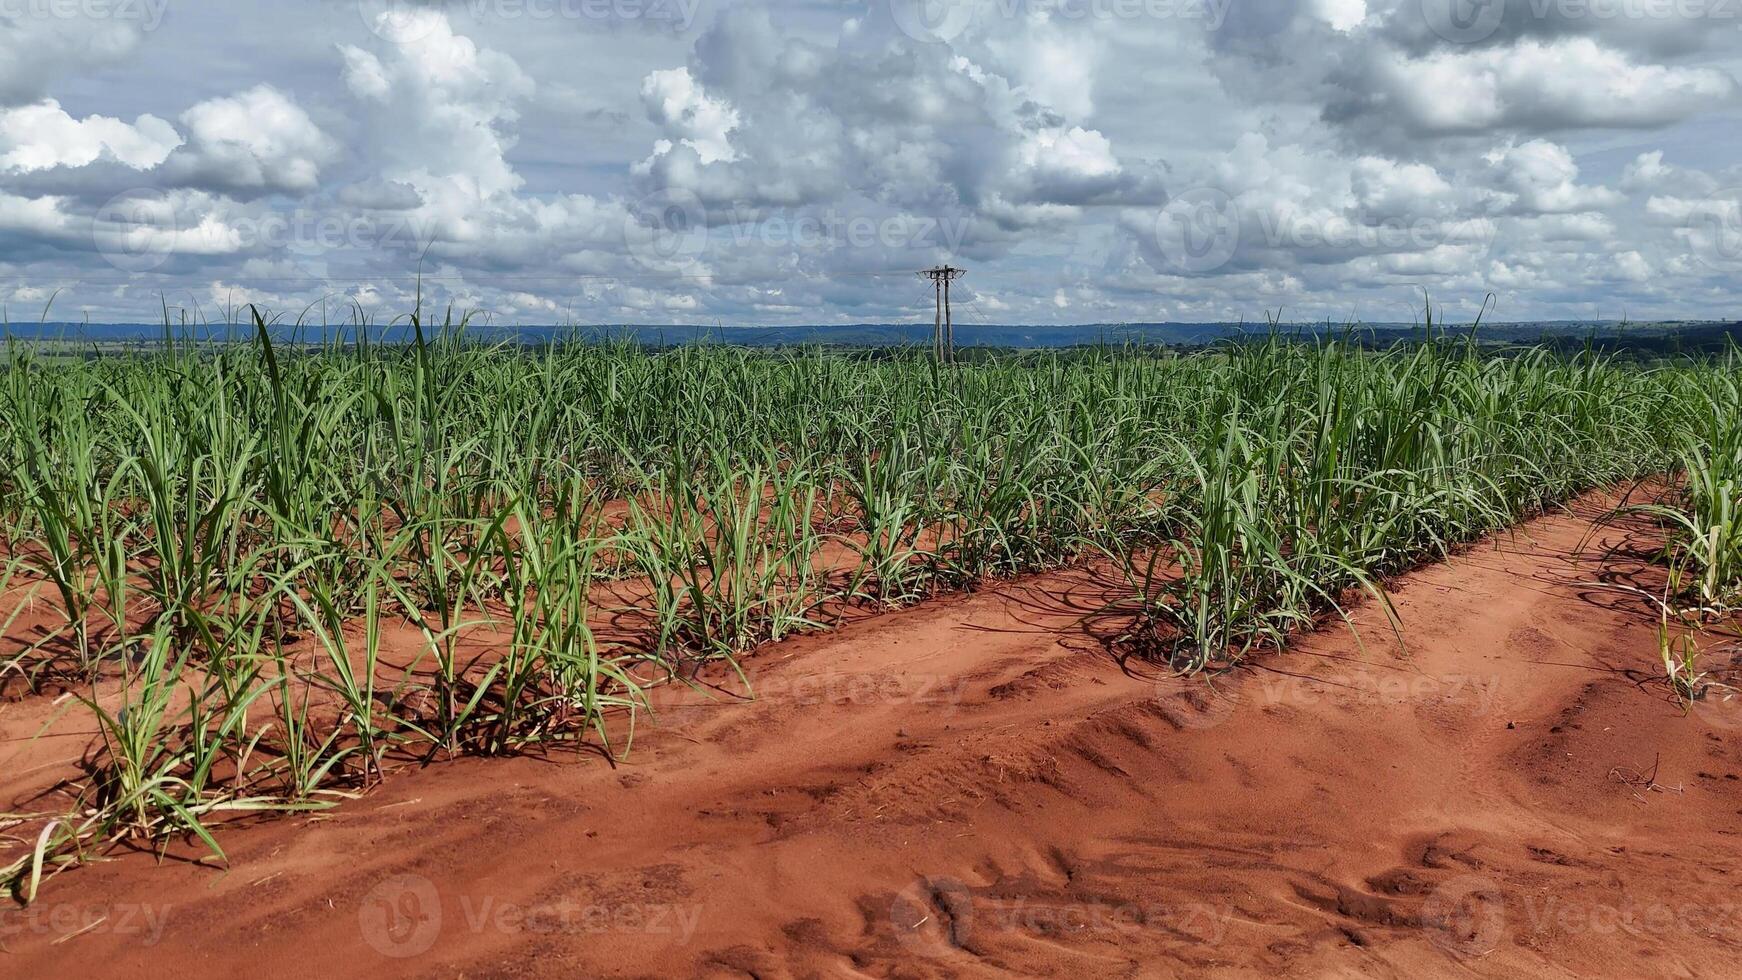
[974,787]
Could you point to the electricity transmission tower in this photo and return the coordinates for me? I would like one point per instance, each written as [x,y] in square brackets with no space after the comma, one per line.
[943,332]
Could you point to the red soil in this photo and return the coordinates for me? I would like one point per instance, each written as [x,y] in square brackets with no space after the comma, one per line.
[974,787]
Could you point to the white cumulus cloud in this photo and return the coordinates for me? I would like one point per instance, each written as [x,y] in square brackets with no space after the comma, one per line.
[43,135]
[258,140]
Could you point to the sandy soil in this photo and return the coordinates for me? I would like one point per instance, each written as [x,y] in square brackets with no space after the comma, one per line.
[975,787]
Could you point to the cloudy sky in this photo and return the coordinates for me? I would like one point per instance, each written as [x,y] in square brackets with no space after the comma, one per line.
[795,161]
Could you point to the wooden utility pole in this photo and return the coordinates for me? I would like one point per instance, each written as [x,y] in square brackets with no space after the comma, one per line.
[937,322]
[943,330]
